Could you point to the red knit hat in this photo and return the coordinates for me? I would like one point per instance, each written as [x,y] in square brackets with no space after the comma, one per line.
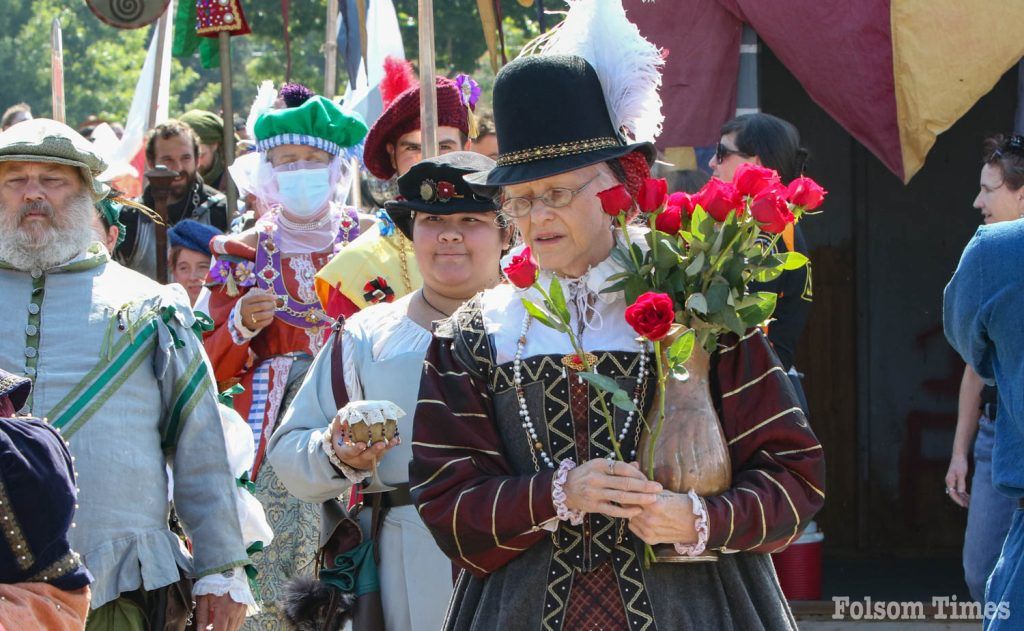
[403,116]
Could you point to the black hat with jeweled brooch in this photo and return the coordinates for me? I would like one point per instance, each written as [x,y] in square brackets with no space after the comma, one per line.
[436,186]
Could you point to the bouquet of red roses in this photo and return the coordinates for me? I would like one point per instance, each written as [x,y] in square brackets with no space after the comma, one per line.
[687,284]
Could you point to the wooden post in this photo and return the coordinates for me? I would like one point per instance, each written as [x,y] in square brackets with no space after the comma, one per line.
[57,71]
[229,119]
[428,93]
[331,51]
[160,178]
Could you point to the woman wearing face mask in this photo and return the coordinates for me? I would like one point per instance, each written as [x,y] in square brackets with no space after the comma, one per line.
[458,242]
[268,323]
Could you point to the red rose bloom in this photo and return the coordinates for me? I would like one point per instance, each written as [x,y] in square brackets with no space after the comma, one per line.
[669,220]
[615,200]
[683,201]
[719,198]
[522,271]
[652,194]
[751,179]
[806,193]
[651,315]
[770,209]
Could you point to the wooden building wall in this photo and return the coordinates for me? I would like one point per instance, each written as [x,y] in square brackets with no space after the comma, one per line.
[880,378]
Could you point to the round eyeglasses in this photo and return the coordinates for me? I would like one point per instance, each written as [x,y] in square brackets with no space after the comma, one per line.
[558,197]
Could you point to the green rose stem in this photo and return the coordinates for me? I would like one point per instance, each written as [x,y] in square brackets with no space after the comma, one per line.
[621,218]
[649,555]
[578,349]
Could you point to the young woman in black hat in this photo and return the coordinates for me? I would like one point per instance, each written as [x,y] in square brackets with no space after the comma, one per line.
[512,468]
[458,242]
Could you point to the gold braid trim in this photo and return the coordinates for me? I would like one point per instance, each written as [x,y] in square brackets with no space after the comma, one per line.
[557,151]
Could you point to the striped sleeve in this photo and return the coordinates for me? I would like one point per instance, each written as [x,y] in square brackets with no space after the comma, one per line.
[778,465]
[480,512]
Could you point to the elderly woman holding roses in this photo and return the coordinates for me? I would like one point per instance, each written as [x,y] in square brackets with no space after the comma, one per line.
[514,464]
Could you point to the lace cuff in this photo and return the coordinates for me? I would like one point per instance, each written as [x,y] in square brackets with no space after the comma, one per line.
[700,512]
[235,586]
[355,476]
[240,334]
[574,517]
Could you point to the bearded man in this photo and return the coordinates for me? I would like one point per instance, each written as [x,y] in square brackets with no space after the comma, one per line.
[120,372]
[176,146]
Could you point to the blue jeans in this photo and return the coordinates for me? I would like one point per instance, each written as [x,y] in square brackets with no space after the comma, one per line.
[1006,585]
[988,516]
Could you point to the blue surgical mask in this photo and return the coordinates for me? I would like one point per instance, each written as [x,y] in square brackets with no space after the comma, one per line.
[303,192]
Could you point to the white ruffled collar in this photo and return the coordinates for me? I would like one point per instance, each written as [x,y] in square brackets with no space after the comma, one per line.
[596,278]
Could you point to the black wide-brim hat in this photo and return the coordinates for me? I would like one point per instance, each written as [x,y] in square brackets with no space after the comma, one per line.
[551,117]
[437,186]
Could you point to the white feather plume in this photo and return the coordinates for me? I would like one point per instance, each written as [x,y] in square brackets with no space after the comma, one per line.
[628,65]
[266,94]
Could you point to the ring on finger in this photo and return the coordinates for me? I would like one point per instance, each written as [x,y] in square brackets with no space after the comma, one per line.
[611,467]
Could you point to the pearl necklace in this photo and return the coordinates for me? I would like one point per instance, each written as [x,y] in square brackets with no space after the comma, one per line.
[536,446]
[310,226]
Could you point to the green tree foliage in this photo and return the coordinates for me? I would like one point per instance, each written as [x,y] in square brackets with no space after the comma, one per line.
[102,63]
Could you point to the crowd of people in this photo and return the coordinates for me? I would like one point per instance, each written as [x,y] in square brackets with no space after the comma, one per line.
[338,410]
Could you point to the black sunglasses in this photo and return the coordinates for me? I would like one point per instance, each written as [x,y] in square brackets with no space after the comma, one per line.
[1013,144]
[722,152]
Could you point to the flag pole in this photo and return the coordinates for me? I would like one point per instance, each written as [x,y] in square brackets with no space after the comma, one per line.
[428,93]
[57,71]
[224,39]
[331,50]
[158,67]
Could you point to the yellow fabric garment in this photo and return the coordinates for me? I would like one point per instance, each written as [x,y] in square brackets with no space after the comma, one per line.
[369,256]
[946,55]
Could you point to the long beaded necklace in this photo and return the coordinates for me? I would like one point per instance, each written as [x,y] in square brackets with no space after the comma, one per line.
[536,446]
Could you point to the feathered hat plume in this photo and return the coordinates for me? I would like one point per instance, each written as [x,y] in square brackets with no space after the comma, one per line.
[628,65]
[398,77]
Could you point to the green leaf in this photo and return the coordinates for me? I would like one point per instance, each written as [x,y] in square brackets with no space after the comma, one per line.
[617,286]
[621,400]
[681,349]
[599,381]
[717,295]
[634,287]
[696,266]
[768,275]
[558,300]
[733,321]
[697,302]
[759,312]
[680,373]
[544,318]
[792,260]
[698,222]
[732,271]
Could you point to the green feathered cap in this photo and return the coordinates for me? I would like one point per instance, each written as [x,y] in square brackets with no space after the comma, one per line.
[318,123]
[46,140]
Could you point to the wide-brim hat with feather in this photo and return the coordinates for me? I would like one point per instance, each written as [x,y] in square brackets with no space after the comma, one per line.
[584,93]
